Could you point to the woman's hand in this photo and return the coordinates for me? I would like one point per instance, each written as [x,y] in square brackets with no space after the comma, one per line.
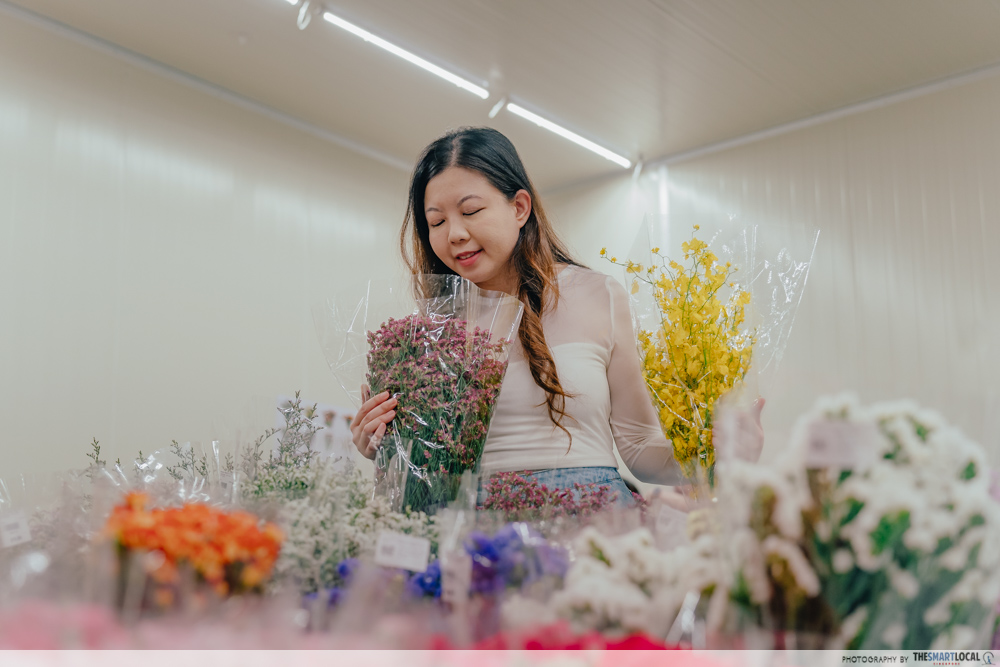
[368,426]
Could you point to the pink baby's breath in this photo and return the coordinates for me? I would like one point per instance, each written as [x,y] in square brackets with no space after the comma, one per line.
[446,375]
[522,499]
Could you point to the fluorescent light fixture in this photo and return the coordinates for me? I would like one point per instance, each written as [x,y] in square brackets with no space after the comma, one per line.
[292,2]
[482,93]
[566,134]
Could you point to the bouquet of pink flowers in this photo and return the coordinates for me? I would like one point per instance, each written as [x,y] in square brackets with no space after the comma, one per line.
[444,362]
[447,376]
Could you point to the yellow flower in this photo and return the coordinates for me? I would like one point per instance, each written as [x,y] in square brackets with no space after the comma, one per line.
[701,350]
[604,251]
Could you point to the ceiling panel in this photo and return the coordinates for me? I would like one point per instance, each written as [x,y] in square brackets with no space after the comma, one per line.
[642,77]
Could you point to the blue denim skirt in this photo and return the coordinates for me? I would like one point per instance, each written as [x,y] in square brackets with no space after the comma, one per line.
[565,478]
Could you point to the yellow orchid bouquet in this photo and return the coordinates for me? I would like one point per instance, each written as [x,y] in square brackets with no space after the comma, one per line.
[699,352]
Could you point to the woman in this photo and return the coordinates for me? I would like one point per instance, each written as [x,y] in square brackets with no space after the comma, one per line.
[574,387]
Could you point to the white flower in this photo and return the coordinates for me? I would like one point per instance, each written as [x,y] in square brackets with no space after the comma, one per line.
[843,561]
[904,582]
[797,563]
[336,519]
[894,635]
[853,624]
[957,637]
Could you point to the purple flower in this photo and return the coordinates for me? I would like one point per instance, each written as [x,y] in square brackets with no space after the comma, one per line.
[331,595]
[346,568]
[426,583]
[515,556]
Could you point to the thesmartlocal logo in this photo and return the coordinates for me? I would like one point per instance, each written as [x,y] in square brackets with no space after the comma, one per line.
[954,657]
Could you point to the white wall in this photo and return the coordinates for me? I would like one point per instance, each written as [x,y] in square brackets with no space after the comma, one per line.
[159,252]
[160,249]
[901,302]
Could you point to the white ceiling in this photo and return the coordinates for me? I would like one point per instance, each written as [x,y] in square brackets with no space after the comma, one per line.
[643,77]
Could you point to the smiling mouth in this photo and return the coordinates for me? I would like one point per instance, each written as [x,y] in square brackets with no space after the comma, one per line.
[467,255]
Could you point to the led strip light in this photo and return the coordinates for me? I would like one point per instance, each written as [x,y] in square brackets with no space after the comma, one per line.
[478,91]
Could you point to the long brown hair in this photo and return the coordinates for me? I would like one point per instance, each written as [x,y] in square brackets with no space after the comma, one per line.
[535,254]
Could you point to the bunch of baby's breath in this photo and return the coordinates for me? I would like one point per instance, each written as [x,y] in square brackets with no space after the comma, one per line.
[190,465]
[285,472]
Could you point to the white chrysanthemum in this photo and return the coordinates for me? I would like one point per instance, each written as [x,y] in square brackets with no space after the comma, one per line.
[797,563]
[928,486]
[904,582]
[894,635]
[602,603]
[625,584]
[843,561]
[853,624]
[960,637]
[752,566]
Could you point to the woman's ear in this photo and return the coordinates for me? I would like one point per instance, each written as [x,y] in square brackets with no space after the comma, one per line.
[522,207]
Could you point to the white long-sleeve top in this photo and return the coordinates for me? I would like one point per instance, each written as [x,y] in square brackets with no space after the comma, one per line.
[589,332]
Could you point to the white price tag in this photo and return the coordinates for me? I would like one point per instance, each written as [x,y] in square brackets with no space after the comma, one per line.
[456,577]
[402,551]
[14,529]
[226,480]
[842,445]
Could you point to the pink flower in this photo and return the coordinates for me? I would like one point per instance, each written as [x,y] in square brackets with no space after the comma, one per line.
[524,499]
[446,376]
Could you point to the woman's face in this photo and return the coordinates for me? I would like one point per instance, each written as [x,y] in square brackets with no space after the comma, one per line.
[473,228]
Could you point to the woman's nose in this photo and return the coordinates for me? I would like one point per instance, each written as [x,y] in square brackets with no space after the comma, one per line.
[457,233]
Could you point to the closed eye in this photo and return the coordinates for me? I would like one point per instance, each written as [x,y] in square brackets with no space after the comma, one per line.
[473,212]
[436,224]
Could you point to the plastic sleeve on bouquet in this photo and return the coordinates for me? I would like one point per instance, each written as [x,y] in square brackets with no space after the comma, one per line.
[46,525]
[444,362]
[712,320]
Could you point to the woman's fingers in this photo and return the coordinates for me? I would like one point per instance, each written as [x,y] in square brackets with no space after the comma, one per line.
[374,441]
[378,421]
[369,424]
[377,407]
[373,401]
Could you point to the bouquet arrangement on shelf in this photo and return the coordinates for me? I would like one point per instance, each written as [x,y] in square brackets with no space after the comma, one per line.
[624,585]
[521,498]
[229,551]
[337,522]
[444,362]
[516,556]
[880,529]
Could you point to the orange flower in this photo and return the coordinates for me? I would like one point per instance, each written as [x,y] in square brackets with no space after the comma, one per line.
[208,539]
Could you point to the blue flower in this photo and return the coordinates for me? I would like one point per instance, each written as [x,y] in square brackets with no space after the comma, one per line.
[514,556]
[426,583]
[346,568]
[331,595]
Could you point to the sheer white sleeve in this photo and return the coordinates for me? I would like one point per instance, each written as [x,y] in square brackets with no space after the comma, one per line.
[634,423]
